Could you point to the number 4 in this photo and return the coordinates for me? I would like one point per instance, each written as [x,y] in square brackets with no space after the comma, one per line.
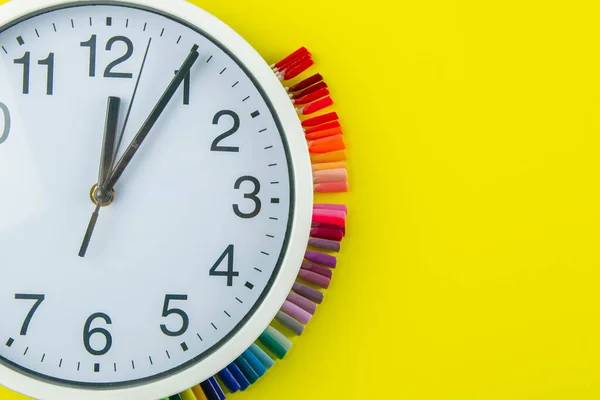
[230,273]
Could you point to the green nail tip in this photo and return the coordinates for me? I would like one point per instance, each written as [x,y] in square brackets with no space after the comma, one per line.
[272,345]
[280,337]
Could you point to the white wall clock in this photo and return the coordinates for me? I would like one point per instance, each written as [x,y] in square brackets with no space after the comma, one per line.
[198,249]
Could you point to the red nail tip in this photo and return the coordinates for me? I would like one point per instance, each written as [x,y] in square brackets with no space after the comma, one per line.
[317,106]
[316,78]
[321,119]
[309,98]
[293,72]
[327,233]
[298,53]
[293,63]
[329,226]
[309,90]
[330,217]
[323,127]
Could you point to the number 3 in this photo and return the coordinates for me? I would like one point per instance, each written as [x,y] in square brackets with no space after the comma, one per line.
[251,196]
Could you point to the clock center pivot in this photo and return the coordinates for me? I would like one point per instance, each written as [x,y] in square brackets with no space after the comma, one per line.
[102,197]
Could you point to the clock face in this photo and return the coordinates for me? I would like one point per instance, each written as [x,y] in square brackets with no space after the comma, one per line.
[201,218]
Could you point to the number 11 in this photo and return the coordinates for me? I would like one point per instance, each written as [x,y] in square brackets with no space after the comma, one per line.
[48,62]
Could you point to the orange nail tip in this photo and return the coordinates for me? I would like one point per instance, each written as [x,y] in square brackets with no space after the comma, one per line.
[328,157]
[327,144]
[322,127]
[334,187]
[324,133]
[329,165]
[330,175]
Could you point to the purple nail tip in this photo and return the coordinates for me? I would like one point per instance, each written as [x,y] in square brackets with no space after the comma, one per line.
[302,302]
[317,269]
[325,244]
[321,258]
[314,278]
[308,292]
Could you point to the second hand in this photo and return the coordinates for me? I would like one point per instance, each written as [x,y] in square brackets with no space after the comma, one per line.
[137,84]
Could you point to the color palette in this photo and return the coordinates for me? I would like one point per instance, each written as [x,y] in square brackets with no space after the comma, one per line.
[326,145]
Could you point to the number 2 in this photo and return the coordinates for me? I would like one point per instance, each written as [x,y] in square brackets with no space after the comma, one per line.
[236,126]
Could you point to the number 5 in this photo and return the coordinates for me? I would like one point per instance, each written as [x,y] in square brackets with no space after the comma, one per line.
[181,313]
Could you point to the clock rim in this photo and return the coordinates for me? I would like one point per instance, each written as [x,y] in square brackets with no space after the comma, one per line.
[265,309]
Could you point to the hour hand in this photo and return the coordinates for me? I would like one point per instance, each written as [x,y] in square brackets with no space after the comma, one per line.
[108,147]
[100,194]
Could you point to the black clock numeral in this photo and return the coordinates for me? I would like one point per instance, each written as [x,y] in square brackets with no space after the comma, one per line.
[252,196]
[26,62]
[87,334]
[230,273]
[49,62]
[167,311]
[236,126]
[92,43]
[187,82]
[6,124]
[108,72]
[38,300]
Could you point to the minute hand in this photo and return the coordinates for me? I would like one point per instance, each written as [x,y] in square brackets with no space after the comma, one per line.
[152,118]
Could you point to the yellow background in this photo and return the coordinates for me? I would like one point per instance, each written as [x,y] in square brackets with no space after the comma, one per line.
[471,266]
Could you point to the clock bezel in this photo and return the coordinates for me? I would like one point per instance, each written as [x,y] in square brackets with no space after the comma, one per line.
[263,312]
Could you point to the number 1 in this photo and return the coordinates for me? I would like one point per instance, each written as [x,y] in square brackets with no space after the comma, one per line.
[186,89]
[26,61]
[49,62]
